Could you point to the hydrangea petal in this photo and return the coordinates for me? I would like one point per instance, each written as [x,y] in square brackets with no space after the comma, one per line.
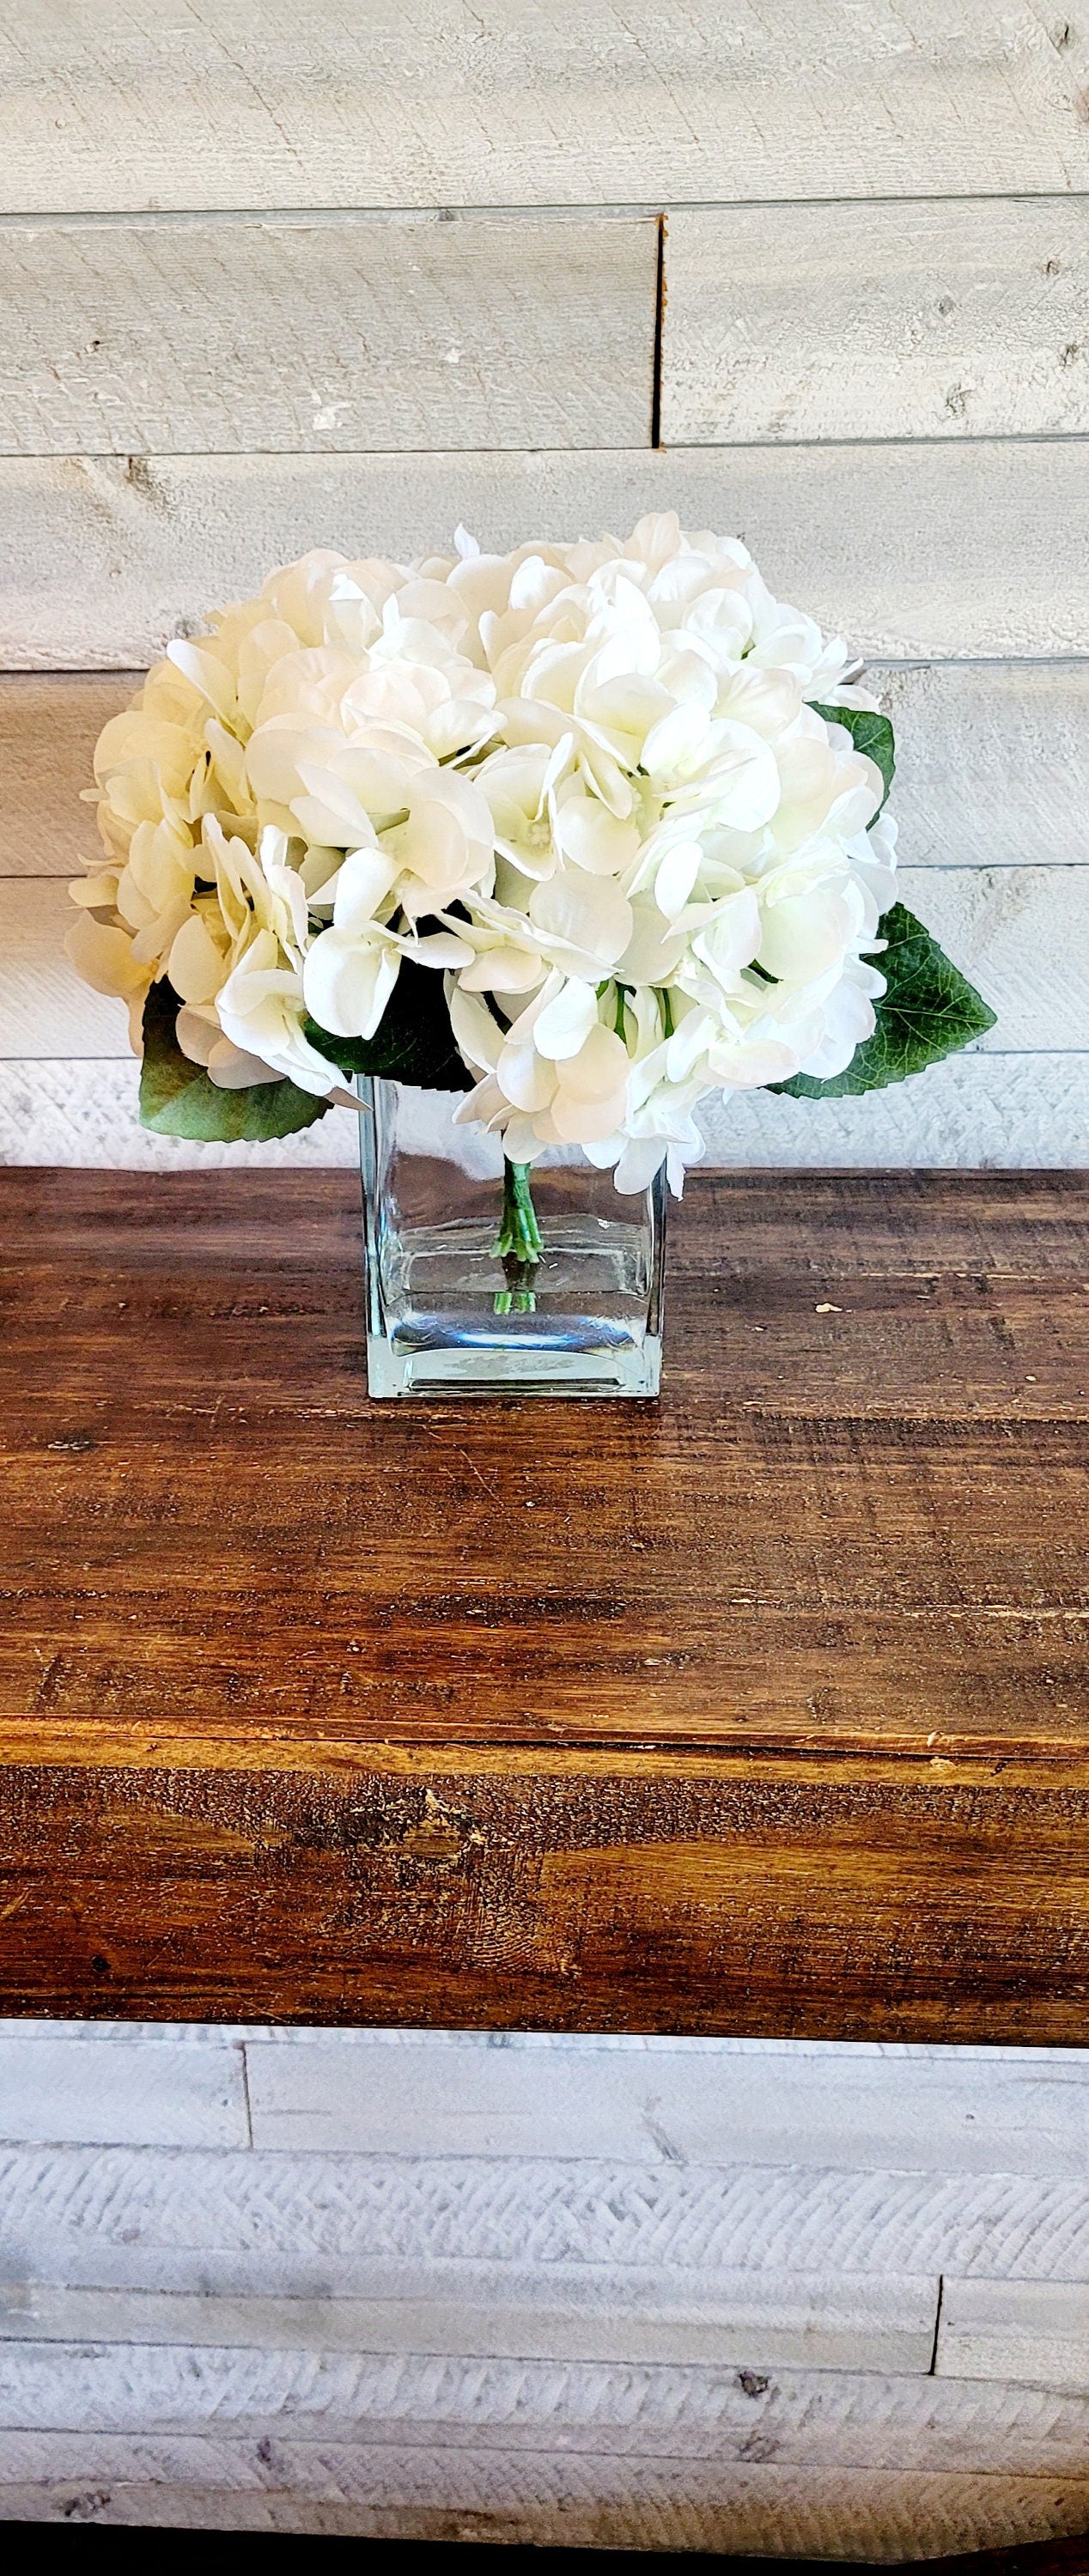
[566,1021]
[590,915]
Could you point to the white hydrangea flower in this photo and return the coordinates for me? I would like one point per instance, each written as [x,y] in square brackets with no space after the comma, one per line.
[589,783]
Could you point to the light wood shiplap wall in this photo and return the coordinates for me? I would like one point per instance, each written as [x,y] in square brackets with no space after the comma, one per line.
[287,276]
[799,2300]
[275,274]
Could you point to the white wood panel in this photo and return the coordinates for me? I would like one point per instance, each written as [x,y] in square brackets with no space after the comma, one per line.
[67,2090]
[709,2110]
[255,2364]
[45,1008]
[1033,2331]
[348,2358]
[975,1112]
[48,730]
[159,2034]
[954,2055]
[78,1113]
[326,332]
[895,321]
[945,2107]
[388,2228]
[992,763]
[1028,1112]
[1022,934]
[431,102]
[913,550]
[213,2483]
[740,2320]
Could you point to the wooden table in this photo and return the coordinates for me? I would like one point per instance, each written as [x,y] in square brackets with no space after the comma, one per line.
[765,1709]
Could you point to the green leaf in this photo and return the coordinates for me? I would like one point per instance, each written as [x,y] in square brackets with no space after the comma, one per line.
[871,734]
[413,1042]
[178,1099]
[928,1012]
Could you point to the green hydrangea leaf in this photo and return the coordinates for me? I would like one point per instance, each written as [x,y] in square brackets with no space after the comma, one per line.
[413,1042]
[871,734]
[929,1011]
[178,1099]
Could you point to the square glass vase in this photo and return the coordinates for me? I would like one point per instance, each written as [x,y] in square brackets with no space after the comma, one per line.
[448,1313]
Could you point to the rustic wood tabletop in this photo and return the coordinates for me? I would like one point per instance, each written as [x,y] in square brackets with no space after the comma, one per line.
[764,1709]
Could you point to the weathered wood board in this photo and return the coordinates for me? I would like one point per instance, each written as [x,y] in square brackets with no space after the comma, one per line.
[49,724]
[992,763]
[1036,2332]
[766,1709]
[915,550]
[515,102]
[1021,934]
[199,2362]
[322,332]
[906,320]
[330,332]
[551,2501]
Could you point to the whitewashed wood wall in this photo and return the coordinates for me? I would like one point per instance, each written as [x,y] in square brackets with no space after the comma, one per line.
[794,2300]
[276,275]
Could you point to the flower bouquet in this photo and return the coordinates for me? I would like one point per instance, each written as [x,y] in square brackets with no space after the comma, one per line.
[568,838]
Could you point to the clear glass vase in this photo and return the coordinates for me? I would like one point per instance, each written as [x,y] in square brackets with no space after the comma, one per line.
[454,1307]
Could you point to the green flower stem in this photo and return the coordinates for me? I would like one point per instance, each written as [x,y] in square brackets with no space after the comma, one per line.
[518,1244]
[519,1236]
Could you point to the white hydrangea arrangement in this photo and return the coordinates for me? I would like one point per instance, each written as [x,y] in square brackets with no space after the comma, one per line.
[587,831]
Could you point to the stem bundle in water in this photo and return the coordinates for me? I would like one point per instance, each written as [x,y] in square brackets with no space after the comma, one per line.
[518,1244]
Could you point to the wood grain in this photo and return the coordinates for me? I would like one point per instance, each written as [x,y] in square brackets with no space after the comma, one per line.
[48,729]
[45,1008]
[222,2484]
[73,2090]
[285,2226]
[1021,934]
[401,102]
[511,2311]
[1034,2332]
[131,2360]
[711,2103]
[1018,934]
[992,762]
[307,1714]
[317,333]
[914,549]
[428,331]
[906,320]
[207,2363]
